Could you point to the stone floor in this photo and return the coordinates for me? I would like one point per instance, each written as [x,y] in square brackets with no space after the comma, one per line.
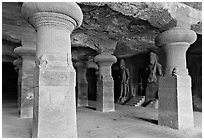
[125,122]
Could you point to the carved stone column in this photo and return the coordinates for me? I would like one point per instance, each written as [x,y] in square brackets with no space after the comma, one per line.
[54,104]
[27,87]
[175,98]
[105,83]
[82,84]
[18,67]
[93,65]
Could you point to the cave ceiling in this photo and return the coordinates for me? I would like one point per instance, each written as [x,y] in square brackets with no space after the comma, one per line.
[132,25]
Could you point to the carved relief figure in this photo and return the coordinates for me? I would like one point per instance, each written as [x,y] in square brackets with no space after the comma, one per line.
[124,76]
[154,70]
[154,67]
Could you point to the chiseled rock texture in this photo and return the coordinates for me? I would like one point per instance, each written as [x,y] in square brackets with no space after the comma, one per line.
[133,25]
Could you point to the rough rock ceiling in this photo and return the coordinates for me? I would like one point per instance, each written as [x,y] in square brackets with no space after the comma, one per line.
[133,25]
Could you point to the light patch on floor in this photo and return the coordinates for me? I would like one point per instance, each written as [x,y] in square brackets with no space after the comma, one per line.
[125,122]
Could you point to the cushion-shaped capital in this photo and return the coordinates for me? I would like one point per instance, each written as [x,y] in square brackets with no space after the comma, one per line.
[70,9]
[25,51]
[174,35]
[105,59]
[92,65]
[81,64]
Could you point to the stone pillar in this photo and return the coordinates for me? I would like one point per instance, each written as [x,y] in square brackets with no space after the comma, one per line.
[82,84]
[54,100]
[175,98]
[91,64]
[27,88]
[105,83]
[18,68]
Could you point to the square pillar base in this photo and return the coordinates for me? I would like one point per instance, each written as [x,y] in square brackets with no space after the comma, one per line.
[54,103]
[82,99]
[175,102]
[105,94]
[26,95]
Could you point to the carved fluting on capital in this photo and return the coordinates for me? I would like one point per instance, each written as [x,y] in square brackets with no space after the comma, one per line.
[52,13]
[52,19]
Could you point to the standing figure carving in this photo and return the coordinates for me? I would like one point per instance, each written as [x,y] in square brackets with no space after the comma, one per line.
[155,70]
[124,76]
[154,67]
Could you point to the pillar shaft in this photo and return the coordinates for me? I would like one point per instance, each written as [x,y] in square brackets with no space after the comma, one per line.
[18,68]
[27,87]
[105,83]
[54,79]
[82,84]
[175,97]
[54,82]
[176,57]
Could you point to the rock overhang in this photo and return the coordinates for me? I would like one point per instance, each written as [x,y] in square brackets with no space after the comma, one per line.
[134,25]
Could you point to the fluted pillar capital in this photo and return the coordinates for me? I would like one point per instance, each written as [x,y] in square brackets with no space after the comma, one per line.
[65,14]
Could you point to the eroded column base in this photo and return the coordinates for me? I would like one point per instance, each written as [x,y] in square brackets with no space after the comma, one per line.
[175,102]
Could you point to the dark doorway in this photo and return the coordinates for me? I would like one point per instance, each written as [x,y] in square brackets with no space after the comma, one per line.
[92,84]
[9,81]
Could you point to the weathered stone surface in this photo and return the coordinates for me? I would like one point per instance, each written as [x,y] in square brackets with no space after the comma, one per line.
[175,96]
[54,79]
[105,94]
[105,83]
[133,25]
[55,105]
[175,43]
[82,84]
[69,9]
[175,102]
[7,51]
[27,87]
[27,93]
[91,64]
[18,68]
[196,5]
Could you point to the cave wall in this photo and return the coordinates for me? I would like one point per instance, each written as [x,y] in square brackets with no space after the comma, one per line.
[92,83]
[136,65]
[194,65]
